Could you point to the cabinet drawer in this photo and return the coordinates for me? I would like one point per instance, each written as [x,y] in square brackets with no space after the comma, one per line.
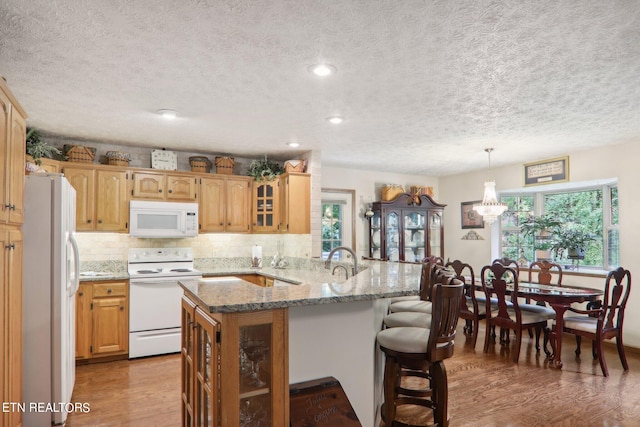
[109,289]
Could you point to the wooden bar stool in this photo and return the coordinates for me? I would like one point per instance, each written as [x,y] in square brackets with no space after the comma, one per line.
[419,352]
[420,317]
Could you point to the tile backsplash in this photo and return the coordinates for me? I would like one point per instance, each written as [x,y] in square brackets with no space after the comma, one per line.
[115,246]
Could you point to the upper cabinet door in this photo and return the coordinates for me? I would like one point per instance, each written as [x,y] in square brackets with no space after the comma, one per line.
[181,187]
[212,204]
[112,206]
[238,201]
[5,118]
[82,179]
[265,207]
[16,161]
[149,186]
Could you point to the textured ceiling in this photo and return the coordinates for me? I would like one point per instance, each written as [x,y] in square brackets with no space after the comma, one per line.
[424,86]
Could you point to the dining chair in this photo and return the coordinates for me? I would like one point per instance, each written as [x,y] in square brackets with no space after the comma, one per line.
[605,322]
[421,352]
[508,262]
[502,283]
[543,272]
[472,307]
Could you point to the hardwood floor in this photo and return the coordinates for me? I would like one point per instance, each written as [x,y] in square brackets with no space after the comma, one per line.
[484,389]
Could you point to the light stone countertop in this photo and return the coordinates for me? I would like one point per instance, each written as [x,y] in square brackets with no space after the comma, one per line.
[230,294]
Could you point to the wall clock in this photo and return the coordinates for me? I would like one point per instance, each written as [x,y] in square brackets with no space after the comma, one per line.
[165,160]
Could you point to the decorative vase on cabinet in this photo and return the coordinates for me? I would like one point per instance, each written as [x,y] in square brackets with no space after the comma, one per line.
[407,228]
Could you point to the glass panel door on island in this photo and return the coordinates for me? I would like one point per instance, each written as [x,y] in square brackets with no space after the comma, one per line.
[414,236]
[255,376]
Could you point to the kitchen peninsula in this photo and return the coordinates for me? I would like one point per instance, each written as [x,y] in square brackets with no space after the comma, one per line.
[244,344]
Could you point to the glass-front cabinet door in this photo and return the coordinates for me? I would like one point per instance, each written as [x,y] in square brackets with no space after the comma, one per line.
[392,236]
[435,235]
[408,229]
[206,370]
[414,235]
[265,207]
[253,380]
[375,249]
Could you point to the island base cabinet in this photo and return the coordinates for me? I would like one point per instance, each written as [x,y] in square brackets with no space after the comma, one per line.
[234,367]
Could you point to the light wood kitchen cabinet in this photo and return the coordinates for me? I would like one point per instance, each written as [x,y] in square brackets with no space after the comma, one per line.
[105,328]
[11,322]
[225,204]
[234,371]
[164,186]
[83,321]
[102,202]
[295,203]
[408,228]
[12,158]
[83,180]
[50,165]
[12,171]
[265,205]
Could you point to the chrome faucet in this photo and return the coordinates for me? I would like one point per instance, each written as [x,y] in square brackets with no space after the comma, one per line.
[346,271]
[354,269]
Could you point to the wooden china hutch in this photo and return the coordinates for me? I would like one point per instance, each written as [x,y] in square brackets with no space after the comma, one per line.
[408,228]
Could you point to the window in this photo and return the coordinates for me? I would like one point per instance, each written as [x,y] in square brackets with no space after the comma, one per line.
[593,209]
[332,227]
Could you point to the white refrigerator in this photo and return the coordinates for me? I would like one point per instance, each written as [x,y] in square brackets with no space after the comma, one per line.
[51,279]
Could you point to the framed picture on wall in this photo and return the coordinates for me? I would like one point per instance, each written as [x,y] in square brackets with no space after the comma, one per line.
[470,218]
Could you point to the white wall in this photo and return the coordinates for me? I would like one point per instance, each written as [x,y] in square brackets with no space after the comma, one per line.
[610,162]
[367,185]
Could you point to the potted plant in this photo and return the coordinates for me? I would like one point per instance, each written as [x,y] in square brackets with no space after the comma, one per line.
[264,169]
[542,229]
[37,148]
[574,240]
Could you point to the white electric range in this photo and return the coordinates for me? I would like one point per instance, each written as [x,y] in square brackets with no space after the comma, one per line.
[155,298]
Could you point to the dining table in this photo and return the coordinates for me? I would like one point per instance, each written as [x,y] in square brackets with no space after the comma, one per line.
[560,299]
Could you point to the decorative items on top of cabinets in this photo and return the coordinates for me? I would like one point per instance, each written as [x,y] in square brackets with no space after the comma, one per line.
[13,130]
[102,201]
[225,203]
[407,228]
[295,203]
[233,367]
[164,186]
[265,217]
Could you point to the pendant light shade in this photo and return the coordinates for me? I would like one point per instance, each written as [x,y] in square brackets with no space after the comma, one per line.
[490,208]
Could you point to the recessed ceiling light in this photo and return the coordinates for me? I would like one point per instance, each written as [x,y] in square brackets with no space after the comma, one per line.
[293,144]
[336,120]
[167,114]
[322,70]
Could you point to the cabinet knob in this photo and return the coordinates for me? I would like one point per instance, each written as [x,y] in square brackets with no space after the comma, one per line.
[99,221]
[121,308]
[160,190]
[80,293]
[109,291]
[89,221]
[229,224]
[222,223]
[170,191]
[11,246]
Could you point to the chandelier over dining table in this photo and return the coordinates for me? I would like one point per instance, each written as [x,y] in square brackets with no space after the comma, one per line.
[490,208]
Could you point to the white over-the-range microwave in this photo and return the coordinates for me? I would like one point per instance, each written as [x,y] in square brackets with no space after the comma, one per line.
[152,219]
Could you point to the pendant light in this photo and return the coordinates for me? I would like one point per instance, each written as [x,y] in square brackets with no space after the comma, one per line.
[490,208]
